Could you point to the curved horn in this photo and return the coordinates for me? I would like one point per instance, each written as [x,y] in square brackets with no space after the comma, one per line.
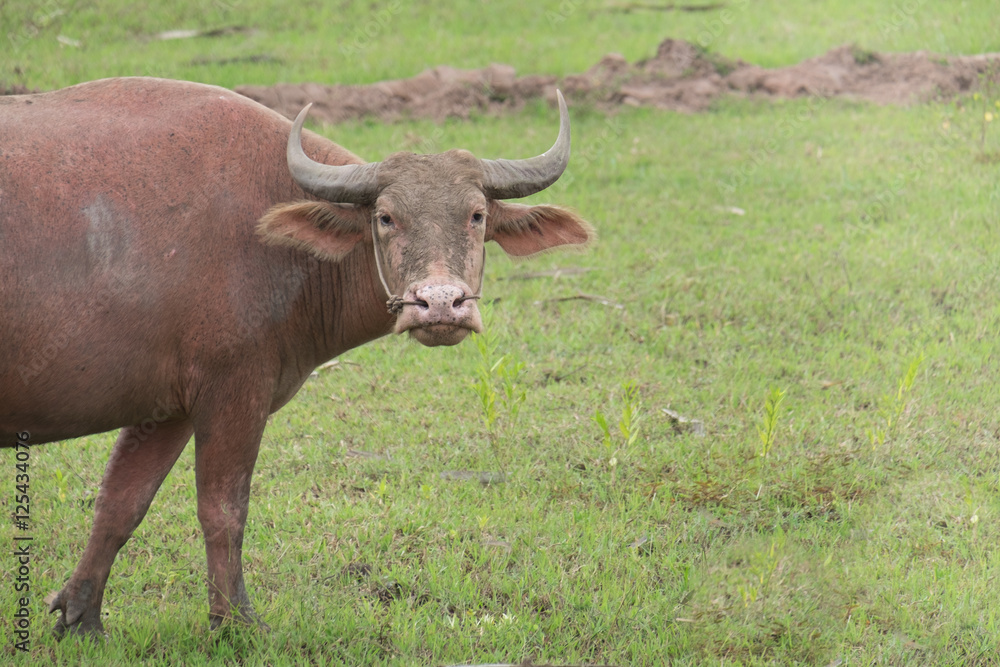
[510,179]
[346,184]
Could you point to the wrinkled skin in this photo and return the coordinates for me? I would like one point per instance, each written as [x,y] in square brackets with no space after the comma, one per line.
[162,273]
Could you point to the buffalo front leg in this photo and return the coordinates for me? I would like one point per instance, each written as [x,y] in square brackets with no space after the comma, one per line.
[138,464]
[225,455]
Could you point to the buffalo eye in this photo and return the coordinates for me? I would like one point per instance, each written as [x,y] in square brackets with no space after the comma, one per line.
[386,220]
[477,217]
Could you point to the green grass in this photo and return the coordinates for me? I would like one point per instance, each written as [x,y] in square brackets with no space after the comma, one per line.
[869,237]
[347,42]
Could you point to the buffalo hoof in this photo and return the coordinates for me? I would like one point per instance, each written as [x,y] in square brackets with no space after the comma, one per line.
[94,630]
[75,618]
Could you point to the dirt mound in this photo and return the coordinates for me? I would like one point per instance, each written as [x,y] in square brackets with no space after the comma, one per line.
[14,89]
[883,78]
[435,93]
[680,77]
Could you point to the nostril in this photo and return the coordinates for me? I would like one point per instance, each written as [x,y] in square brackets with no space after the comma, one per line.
[439,300]
[462,299]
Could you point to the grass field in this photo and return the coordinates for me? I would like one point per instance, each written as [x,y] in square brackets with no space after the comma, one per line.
[814,280]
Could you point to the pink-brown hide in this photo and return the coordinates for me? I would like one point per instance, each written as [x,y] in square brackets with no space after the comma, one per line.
[162,272]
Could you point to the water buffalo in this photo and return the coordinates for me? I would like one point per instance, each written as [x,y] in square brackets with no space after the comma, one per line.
[173,263]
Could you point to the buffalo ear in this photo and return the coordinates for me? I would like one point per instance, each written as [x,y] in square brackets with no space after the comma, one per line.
[525,230]
[327,230]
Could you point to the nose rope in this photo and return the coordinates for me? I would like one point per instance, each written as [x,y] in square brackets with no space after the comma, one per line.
[395,303]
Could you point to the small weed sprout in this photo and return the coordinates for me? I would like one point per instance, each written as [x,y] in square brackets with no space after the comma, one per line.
[498,386]
[969,502]
[893,406]
[61,484]
[631,414]
[629,425]
[382,491]
[989,107]
[602,422]
[764,565]
[985,108]
[769,426]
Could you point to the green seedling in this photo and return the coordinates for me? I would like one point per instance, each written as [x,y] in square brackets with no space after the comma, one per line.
[762,568]
[768,427]
[893,406]
[498,387]
[629,426]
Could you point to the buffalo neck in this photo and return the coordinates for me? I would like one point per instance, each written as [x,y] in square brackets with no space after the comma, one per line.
[343,304]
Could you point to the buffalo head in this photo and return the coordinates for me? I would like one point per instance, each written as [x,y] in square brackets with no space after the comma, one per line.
[428,217]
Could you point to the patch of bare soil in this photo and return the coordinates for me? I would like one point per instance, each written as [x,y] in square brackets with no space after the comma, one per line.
[680,77]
